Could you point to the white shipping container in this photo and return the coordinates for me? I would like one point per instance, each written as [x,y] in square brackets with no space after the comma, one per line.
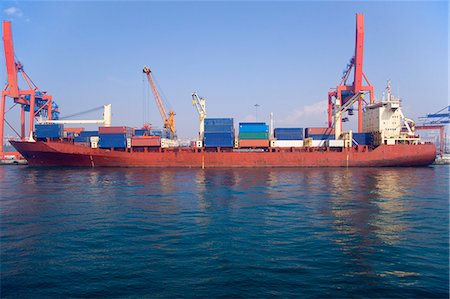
[94,139]
[94,144]
[318,143]
[286,143]
[335,143]
[165,143]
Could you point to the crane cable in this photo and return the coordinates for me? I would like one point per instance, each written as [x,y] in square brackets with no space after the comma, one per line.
[164,98]
[80,113]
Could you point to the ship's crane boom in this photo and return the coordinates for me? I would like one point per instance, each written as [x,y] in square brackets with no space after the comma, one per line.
[200,105]
[168,118]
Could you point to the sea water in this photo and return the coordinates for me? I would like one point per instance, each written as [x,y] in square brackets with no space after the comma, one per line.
[167,233]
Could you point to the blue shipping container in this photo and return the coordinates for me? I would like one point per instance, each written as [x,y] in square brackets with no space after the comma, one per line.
[219,139]
[113,140]
[322,137]
[156,133]
[362,138]
[219,128]
[140,132]
[81,139]
[288,133]
[49,130]
[253,127]
[88,133]
[218,121]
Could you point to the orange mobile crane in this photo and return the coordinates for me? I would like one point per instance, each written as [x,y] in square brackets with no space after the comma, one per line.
[168,118]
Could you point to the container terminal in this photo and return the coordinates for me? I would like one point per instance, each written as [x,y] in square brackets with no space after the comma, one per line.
[385,137]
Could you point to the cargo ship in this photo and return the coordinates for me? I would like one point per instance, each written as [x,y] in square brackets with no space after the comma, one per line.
[255,146]
[388,140]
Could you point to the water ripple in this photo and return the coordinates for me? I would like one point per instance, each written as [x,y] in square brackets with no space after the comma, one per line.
[228,233]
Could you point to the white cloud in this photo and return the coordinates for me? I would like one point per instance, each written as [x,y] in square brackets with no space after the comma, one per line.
[13,11]
[310,115]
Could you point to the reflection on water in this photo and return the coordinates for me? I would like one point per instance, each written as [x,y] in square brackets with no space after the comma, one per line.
[224,232]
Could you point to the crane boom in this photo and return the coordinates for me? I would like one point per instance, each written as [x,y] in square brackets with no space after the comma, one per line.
[11,66]
[200,105]
[168,118]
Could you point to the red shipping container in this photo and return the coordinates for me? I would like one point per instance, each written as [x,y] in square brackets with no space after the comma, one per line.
[114,130]
[319,131]
[74,130]
[146,141]
[254,143]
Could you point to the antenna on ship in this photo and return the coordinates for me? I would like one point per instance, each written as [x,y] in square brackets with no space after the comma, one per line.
[256,108]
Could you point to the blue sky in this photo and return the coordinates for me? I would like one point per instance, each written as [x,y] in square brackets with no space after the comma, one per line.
[283,56]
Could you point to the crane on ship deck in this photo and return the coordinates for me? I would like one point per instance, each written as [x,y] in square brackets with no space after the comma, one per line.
[200,105]
[168,118]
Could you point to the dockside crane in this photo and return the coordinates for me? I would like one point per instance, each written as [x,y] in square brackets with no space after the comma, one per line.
[32,100]
[168,118]
[345,93]
[200,105]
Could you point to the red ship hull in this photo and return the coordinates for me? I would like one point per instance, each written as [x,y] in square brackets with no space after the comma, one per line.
[67,154]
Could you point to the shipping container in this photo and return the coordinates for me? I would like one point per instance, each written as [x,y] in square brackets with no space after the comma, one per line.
[253,127]
[146,141]
[219,128]
[335,143]
[322,137]
[115,130]
[76,131]
[49,130]
[318,131]
[113,140]
[286,143]
[88,133]
[78,139]
[288,133]
[362,138]
[141,132]
[156,133]
[219,139]
[253,135]
[219,122]
[253,143]
[317,143]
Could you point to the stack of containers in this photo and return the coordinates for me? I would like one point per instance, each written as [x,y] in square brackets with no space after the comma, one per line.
[219,132]
[253,134]
[49,130]
[114,137]
[146,137]
[320,136]
[288,137]
[320,133]
[72,132]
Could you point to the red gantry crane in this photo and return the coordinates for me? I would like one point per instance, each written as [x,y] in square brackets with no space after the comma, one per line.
[32,100]
[168,118]
[345,93]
